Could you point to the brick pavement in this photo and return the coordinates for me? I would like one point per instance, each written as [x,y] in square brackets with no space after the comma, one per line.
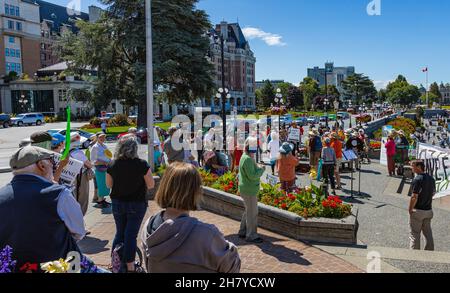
[278,254]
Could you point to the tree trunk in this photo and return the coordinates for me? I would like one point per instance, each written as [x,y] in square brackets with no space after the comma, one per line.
[142,113]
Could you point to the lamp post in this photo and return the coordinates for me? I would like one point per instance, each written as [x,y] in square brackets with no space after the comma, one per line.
[350,105]
[224,94]
[326,102]
[23,102]
[280,102]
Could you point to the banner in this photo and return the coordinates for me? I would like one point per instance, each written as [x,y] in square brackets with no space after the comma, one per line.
[386,130]
[437,164]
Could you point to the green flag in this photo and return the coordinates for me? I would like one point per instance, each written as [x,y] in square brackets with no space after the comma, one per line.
[66,151]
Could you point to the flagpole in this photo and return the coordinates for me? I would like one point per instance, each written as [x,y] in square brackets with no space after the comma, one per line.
[428,101]
[149,65]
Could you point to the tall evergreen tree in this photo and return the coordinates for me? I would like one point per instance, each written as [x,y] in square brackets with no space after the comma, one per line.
[359,86]
[267,96]
[116,46]
[310,89]
[434,89]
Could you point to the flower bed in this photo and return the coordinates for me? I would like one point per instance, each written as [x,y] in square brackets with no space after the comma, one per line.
[308,202]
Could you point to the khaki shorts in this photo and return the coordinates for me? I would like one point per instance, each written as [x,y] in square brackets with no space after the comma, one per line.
[338,165]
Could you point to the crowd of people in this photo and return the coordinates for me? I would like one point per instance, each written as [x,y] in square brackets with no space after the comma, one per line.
[49,217]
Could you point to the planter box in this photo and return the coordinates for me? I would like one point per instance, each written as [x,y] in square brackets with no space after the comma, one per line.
[375,154]
[285,223]
[319,230]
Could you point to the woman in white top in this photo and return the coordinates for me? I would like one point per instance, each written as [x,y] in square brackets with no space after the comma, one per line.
[101,157]
[273,147]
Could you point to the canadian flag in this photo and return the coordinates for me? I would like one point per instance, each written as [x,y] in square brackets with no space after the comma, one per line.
[425,69]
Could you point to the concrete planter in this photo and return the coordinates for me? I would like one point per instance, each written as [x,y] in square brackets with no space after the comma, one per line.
[375,154]
[319,230]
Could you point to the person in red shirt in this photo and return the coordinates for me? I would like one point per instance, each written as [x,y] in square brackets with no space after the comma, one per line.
[390,150]
[337,145]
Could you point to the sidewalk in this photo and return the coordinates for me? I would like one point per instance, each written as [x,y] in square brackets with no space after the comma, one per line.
[277,254]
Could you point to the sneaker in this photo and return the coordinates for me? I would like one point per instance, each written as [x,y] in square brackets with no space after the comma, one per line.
[256,240]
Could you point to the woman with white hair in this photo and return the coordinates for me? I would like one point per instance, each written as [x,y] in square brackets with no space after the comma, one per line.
[273,148]
[249,184]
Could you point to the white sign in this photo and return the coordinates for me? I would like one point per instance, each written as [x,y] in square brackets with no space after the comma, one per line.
[437,164]
[294,134]
[70,172]
[383,158]
[272,180]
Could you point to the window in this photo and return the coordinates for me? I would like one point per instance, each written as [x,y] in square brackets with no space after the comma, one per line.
[18,53]
[6,9]
[17,11]
[13,53]
[8,67]
[7,52]
[12,40]
[10,24]
[19,68]
[19,26]
[13,67]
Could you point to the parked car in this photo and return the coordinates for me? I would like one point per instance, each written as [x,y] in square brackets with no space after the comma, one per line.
[28,119]
[108,116]
[343,115]
[364,118]
[302,121]
[5,120]
[85,136]
[313,120]
[351,111]
[142,135]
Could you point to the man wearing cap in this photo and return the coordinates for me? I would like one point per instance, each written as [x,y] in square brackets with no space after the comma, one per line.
[40,220]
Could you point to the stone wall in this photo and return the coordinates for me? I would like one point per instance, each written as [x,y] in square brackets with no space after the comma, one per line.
[319,230]
[373,126]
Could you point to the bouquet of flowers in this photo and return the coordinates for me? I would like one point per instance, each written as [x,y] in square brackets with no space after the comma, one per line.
[7,265]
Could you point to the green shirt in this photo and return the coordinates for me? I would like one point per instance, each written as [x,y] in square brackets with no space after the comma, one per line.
[249,176]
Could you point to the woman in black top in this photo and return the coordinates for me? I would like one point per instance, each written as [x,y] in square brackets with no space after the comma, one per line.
[129,178]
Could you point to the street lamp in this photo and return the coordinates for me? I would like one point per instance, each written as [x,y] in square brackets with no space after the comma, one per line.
[279,100]
[350,106]
[23,102]
[224,93]
[326,102]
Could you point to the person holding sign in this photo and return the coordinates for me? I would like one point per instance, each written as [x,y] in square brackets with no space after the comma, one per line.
[101,157]
[286,165]
[81,191]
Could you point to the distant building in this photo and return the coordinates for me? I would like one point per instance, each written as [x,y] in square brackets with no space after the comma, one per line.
[239,67]
[55,19]
[275,83]
[335,75]
[19,37]
[47,93]
[445,92]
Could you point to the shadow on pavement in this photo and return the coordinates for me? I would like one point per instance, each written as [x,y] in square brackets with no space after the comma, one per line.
[280,252]
[90,245]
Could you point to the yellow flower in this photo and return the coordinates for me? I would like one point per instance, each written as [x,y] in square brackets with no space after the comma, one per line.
[60,266]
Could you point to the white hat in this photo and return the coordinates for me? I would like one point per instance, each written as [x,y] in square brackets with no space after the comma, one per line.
[74,136]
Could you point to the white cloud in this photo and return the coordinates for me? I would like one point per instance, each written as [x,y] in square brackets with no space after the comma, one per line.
[382,84]
[269,38]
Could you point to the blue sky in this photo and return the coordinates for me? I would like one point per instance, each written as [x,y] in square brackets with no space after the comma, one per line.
[288,36]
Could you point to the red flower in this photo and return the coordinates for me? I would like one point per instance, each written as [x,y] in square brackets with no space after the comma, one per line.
[284,206]
[325,204]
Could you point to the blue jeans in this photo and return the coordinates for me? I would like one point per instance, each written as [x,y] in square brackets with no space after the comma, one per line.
[128,217]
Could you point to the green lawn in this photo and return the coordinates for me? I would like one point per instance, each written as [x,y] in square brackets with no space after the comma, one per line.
[121,129]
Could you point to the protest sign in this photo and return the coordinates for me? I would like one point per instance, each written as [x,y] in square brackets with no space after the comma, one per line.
[70,172]
[437,164]
[294,134]
[272,180]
